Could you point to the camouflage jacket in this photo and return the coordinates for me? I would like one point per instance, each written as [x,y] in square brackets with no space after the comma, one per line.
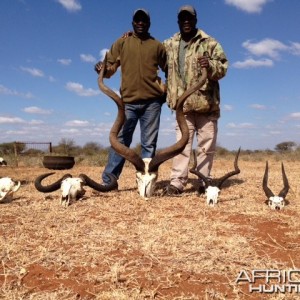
[207,99]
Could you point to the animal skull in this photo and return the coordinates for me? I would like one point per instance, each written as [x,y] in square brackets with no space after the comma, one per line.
[276,202]
[72,188]
[212,190]
[212,194]
[7,188]
[3,162]
[146,181]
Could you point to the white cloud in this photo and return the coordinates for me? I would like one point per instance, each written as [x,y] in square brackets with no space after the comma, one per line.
[258,106]
[70,5]
[295,115]
[252,63]
[34,72]
[249,6]
[88,58]
[227,107]
[80,90]
[295,48]
[102,53]
[77,123]
[241,125]
[36,110]
[65,61]
[35,122]
[11,120]
[72,130]
[268,47]
[6,91]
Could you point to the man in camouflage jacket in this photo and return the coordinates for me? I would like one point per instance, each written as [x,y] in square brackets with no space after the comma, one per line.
[188,51]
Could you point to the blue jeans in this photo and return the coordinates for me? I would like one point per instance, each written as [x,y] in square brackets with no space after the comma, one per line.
[148,113]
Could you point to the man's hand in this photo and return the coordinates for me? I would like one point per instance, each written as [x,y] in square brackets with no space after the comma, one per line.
[127,34]
[98,67]
[203,61]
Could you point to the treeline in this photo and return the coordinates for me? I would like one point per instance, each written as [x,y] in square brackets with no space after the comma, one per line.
[70,148]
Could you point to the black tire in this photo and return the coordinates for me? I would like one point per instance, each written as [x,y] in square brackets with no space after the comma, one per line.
[58,162]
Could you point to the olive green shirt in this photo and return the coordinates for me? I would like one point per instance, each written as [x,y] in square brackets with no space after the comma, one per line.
[140,61]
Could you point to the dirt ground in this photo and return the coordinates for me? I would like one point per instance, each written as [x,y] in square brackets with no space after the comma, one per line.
[117,245]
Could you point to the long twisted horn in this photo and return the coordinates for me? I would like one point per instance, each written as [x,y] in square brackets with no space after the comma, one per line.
[49,188]
[121,149]
[178,147]
[162,155]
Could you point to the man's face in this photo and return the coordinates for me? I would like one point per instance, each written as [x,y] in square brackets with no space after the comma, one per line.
[140,23]
[187,22]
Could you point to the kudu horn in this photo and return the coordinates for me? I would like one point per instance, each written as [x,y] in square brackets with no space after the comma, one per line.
[162,155]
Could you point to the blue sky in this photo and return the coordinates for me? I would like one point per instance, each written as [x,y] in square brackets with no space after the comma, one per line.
[49,91]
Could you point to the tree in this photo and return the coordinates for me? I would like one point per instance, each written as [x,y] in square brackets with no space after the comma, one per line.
[65,146]
[285,147]
[91,148]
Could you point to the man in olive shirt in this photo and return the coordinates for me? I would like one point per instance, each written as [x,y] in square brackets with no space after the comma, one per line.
[140,57]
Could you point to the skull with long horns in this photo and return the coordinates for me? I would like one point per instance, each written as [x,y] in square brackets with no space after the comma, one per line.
[147,169]
[72,188]
[276,202]
[213,186]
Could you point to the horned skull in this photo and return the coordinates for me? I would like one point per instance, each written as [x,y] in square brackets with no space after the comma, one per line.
[212,194]
[147,169]
[7,188]
[213,187]
[276,202]
[72,188]
[146,181]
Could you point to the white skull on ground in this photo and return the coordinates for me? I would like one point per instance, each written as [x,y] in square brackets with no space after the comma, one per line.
[146,181]
[7,188]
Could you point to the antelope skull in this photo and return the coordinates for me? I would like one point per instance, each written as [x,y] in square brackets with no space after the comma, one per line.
[7,188]
[3,162]
[147,169]
[72,188]
[275,202]
[213,187]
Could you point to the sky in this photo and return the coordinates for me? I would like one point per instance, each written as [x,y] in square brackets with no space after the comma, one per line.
[49,90]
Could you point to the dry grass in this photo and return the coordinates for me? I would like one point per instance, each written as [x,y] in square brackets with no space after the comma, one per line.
[119,246]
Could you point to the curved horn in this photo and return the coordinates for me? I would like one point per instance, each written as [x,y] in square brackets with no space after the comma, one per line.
[194,170]
[236,170]
[286,186]
[17,186]
[121,149]
[267,191]
[48,188]
[99,187]
[178,147]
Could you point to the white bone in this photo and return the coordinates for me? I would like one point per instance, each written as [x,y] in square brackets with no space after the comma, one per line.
[212,194]
[71,189]
[7,188]
[146,181]
[3,163]
[276,202]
